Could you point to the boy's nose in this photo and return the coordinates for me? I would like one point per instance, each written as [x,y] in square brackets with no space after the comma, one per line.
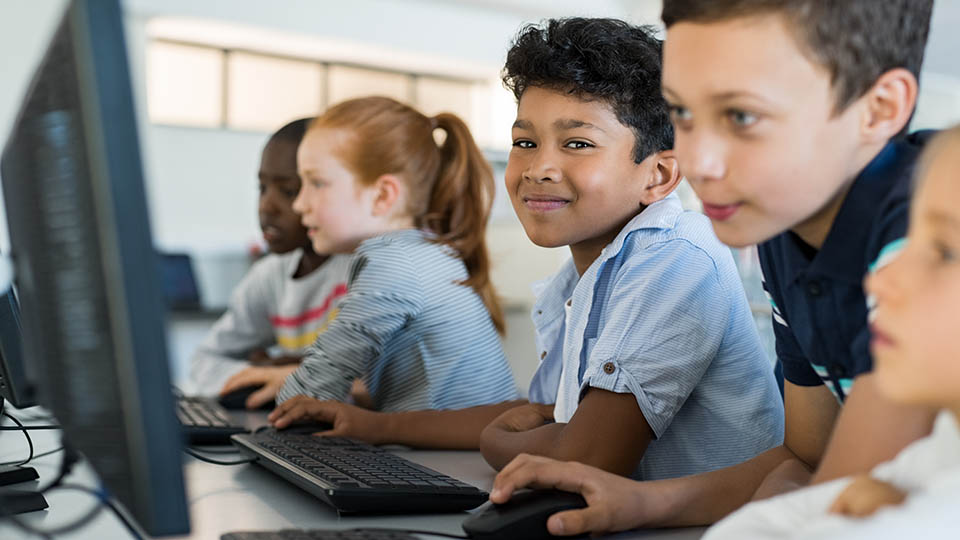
[541,169]
[701,158]
[266,205]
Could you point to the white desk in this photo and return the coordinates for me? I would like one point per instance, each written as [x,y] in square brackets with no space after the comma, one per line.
[247,497]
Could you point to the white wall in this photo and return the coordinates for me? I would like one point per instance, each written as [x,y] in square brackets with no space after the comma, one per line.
[201,183]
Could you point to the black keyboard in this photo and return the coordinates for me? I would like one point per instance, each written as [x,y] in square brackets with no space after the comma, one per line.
[204,421]
[357,477]
[319,534]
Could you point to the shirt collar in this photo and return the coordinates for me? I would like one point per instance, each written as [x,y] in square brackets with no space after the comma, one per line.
[553,291]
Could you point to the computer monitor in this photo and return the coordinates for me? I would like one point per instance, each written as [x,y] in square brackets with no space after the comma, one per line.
[86,270]
[16,386]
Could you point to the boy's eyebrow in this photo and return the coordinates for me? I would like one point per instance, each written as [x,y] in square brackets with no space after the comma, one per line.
[668,93]
[943,218]
[736,94]
[721,96]
[571,123]
[560,124]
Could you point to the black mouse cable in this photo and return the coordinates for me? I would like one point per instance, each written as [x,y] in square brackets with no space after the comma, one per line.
[21,427]
[411,531]
[233,450]
[19,462]
[26,434]
[201,457]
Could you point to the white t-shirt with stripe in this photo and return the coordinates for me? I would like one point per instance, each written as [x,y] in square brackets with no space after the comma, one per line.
[269,309]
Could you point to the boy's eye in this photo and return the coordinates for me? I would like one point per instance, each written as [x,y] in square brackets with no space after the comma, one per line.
[945,253]
[679,114]
[522,143]
[578,145]
[742,119]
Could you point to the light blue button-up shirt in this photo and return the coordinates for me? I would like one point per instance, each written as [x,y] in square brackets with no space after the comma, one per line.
[662,314]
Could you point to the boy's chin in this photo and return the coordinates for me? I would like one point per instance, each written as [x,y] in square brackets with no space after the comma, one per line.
[740,235]
[546,242]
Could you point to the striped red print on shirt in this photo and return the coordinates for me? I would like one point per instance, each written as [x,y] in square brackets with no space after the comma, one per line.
[301,330]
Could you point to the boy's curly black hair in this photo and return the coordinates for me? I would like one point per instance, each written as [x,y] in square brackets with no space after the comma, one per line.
[605,60]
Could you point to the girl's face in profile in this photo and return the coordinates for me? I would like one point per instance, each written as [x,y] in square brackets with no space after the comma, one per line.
[333,205]
[915,325]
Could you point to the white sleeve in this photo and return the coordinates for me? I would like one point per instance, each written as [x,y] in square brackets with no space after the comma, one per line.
[244,327]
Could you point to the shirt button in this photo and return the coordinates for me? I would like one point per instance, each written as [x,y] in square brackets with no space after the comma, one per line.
[543,355]
[609,368]
[569,303]
[539,312]
[814,288]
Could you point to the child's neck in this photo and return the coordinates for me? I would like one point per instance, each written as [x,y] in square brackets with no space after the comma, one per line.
[309,261]
[814,230]
[587,251]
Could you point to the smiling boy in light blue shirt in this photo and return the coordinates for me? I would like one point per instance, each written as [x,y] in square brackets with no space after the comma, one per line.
[651,364]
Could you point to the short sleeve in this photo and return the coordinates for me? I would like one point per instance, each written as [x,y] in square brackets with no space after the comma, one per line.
[662,331]
[385,294]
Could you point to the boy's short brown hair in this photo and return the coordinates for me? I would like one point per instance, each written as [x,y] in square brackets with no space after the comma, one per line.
[856,40]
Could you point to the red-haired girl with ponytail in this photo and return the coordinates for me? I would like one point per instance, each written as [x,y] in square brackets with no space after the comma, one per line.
[420,323]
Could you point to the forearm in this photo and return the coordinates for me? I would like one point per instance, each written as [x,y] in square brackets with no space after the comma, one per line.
[323,377]
[209,372]
[499,446]
[706,498]
[450,429]
[846,455]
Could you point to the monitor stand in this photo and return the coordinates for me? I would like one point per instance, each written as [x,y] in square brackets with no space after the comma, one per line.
[14,474]
[18,501]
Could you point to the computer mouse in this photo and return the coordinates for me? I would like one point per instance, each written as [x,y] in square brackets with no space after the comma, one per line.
[523,516]
[237,400]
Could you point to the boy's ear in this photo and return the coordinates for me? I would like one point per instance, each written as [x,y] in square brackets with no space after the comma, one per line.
[387,193]
[888,105]
[663,178]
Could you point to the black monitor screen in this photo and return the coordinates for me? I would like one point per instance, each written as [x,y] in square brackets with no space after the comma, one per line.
[15,383]
[85,267]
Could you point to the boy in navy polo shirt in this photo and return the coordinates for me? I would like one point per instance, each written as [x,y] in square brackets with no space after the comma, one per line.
[788,119]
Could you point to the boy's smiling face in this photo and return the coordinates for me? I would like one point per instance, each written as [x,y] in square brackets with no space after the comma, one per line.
[914,323]
[571,175]
[757,133]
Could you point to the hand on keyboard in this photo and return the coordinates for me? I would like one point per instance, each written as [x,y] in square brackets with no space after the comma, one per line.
[347,420]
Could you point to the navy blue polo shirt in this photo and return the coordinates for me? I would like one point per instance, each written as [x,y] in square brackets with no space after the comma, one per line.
[819,309]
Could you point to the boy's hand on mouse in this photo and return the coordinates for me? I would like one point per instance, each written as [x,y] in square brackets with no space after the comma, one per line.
[524,418]
[269,378]
[614,503]
[348,420]
[864,496]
